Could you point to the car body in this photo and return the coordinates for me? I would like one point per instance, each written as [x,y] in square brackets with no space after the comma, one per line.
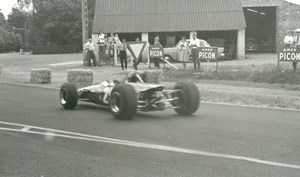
[171,53]
[125,99]
[251,45]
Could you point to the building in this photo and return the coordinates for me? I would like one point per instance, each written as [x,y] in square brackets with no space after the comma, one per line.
[219,21]
[227,23]
[268,21]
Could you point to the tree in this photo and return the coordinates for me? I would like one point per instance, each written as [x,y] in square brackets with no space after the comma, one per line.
[56,22]
[17,18]
[3,22]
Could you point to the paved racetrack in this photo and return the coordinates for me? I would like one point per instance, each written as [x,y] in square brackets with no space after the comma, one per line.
[234,134]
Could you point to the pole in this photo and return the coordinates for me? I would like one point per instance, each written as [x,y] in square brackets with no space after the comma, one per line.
[85,24]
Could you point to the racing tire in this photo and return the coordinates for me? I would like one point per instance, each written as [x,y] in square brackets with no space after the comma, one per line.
[188,98]
[169,58]
[123,101]
[68,96]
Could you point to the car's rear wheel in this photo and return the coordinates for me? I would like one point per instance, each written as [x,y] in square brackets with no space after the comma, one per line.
[169,58]
[123,101]
[68,96]
[188,98]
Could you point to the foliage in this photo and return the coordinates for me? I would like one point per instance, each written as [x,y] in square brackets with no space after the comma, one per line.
[17,18]
[58,49]
[56,22]
[9,41]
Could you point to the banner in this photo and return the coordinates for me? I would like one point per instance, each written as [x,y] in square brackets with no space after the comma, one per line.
[289,54]
[208,53]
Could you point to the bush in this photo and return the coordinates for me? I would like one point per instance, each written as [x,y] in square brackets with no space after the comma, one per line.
[58,49]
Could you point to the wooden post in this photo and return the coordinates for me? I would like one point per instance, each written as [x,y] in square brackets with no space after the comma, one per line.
[85,24]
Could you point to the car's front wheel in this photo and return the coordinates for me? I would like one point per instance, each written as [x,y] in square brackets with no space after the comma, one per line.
[68,96]
[123,101]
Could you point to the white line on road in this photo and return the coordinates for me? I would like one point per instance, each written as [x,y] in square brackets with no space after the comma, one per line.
[25,129]
[66,63]
[80,136]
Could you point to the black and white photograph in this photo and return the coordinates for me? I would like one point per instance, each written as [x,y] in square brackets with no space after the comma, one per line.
[149,88]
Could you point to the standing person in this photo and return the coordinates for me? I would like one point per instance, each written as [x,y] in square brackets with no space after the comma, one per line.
[183,51]
[89,47]
[101,45]
[117,42]
[194,44]
[297,45]
[156,43]
[289,39]
[123,54]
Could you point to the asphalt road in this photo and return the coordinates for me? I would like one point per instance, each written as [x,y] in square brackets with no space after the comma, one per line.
[217,141]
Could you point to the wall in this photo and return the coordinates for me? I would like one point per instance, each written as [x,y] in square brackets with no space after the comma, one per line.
[289,15]
[261,3]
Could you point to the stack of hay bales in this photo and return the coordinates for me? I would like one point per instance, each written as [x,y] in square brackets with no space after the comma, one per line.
[40,76]
[80,77]
[149,76]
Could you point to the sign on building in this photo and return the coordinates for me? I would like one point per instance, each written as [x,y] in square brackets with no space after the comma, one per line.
[156,51]
[208,53]
[290,54]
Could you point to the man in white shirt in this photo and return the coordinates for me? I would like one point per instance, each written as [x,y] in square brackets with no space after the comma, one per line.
[89,47]
[288,39]
[194,44]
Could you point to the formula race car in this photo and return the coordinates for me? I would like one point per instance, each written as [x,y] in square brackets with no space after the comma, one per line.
[124,100]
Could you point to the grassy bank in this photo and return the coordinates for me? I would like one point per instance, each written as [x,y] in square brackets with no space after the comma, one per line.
[269,74]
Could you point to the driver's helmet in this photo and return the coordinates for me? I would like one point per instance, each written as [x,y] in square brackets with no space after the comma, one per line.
[132,77]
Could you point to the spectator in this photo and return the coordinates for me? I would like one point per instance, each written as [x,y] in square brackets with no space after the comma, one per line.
[183,51]
[123,54]
[297,45]
[156,43]
[117,40]
[137,39]
[194,44]
[89,48]
[101,45]
[111,42]
[289,39]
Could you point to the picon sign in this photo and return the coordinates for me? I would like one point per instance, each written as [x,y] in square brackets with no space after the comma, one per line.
[156,51]
[289,54]
[208,53]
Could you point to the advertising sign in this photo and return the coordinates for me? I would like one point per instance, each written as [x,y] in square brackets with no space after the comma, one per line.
[290,54]
[156,51]
[208,53]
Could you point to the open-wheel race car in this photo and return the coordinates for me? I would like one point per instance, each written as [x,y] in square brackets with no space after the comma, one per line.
[124,100]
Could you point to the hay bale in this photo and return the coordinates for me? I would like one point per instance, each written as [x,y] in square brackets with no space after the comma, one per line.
[40,76]
[80,77]
[152,76]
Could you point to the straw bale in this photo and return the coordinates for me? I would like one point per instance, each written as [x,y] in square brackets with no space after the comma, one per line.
[80,77]
[40,75]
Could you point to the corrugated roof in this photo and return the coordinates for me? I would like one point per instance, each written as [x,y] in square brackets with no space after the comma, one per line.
[167,15]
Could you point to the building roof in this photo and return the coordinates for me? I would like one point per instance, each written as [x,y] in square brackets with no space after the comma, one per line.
[125,16]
